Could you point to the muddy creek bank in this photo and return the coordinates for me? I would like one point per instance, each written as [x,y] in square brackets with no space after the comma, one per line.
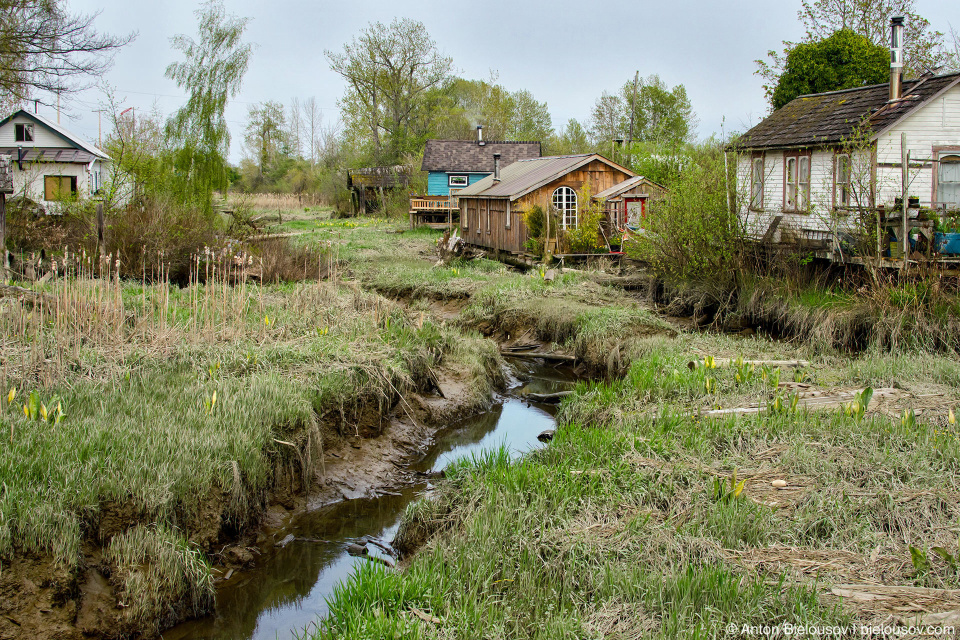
[287,590]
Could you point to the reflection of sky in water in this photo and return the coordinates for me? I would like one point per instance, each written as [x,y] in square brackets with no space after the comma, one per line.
[289,589]
[513,424]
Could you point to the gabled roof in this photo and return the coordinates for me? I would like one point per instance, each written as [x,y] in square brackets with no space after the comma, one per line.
[469,156]
[520,178]
[67,136]
[828,118]
[624,186]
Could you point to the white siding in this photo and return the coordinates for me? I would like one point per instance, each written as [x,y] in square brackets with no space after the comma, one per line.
[819,217]
[42,136]
[937,124]
[29,182]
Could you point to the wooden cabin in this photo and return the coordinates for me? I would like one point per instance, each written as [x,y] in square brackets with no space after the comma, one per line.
[453,165]
[627,203]
[367,185]
[491,211]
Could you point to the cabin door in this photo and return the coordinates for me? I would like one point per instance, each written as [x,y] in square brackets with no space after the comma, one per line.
[635,210]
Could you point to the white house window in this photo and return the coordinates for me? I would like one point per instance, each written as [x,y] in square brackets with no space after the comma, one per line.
[842,181]
[797,187]
[458,181]
[59,187]
[948,181]
[565,202]
[756,184]
[23,132]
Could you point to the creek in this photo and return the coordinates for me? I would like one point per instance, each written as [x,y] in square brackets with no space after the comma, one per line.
[288,591]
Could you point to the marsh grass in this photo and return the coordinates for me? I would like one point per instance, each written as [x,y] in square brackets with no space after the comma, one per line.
[180,403]
[618,529]
[153,567]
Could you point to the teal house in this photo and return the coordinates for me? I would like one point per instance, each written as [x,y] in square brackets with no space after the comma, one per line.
[457,164]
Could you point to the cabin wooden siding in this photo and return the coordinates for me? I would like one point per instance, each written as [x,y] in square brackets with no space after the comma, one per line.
[599,175]
[484,223]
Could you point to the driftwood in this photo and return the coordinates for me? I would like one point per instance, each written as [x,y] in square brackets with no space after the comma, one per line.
[558,357]
[9,290]
[521,347]
[549,398]
[380,544]
[724,362]
[813,400]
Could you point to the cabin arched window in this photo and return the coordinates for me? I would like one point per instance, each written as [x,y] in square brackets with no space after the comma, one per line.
[948,181]
[565,202]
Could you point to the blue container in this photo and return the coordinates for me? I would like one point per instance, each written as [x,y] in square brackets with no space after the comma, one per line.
[947,244]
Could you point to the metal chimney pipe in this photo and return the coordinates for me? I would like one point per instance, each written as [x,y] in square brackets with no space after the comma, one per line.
[496,167]
[480,134]
[896,58]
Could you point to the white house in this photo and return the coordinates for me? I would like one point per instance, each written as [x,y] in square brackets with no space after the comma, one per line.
[49,162]
[806,167]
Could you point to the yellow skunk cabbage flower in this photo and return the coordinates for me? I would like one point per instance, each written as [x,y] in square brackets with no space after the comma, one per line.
[952,418]
[11,395]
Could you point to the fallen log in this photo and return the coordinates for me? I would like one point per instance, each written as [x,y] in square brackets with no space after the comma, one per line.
[557,357]
[548,398]
[811,400]
[724,362]
[383,546]
[29,294]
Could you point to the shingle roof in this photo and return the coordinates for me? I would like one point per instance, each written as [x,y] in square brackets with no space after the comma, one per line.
[520,178]
[626,185]
[470,156]
[827,118]
[63,133]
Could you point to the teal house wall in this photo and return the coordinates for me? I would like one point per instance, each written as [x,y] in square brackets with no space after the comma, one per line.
[438,182]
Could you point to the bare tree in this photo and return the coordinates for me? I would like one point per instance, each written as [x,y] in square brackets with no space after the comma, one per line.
[45,49]
[295,128]
[313,120]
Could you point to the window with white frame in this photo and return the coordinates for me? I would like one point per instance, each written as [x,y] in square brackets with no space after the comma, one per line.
[756,184]
[796,195]
[842,182]
[565,202]
[948,180]
[458,181]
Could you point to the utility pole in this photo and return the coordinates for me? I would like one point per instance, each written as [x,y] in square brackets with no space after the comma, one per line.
[633,105]
[905,164]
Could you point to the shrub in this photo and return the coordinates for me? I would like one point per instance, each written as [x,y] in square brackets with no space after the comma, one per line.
[693,233]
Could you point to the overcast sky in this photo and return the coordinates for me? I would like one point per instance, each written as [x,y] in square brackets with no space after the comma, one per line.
[566,53]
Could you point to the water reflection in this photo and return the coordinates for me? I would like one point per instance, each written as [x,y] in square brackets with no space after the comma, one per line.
[288,590]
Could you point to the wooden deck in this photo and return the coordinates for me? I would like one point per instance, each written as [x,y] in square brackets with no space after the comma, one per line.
[436,212]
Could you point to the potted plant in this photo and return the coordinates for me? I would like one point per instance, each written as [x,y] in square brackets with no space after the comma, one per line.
[947,236]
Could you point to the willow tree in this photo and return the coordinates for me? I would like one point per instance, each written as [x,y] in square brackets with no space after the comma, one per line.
[211,73]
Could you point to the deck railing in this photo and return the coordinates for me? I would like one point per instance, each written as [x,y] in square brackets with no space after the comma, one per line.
[428,204]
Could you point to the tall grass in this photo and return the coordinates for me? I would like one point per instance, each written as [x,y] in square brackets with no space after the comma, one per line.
[643,518]
[136,409]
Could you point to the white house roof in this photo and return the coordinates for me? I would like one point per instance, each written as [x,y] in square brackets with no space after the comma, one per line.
[71,138]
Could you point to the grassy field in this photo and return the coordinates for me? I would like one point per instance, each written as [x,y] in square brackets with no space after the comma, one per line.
[647,517]
[150,421]
[178,410]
